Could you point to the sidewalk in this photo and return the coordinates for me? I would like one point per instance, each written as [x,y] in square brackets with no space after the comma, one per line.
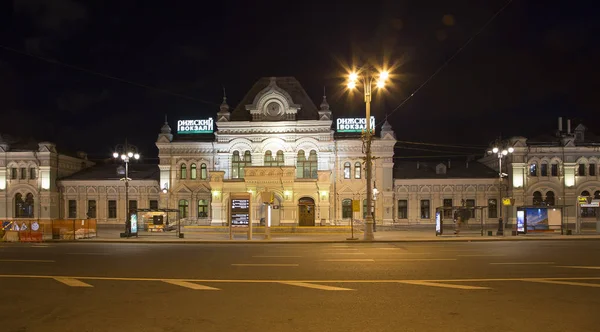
[405,235]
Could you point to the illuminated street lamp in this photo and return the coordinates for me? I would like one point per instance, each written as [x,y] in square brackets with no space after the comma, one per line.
[365,79]
[126,152]
[501,149]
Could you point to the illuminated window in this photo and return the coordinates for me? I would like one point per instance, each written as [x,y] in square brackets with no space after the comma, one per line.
[238,164]
[347,208]
[537,198]
[193,171]
[402,209]
[183,208]
[203,208]
[492,208]
[183,173]
[357,170]
[203,172]
[306,169]
[268,158]
[587,212]
[346,170]
[533,169]
[279,159]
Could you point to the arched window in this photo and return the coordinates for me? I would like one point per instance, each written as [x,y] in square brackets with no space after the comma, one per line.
[183,208]
[193,172]
[357,169]
[306,169]
[533,169]
[581,170]
[597,194]
[268,158]
[183,173]
[537,198]
[280,161]
[347,208]
[203,208]
[203,173]
[300,161]
[585,193]
[550,201]
[346,170]
[24,208]
[313,161]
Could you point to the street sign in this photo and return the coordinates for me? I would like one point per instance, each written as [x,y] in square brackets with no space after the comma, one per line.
[507,201]
[584,199]
[240,212]
[355,205]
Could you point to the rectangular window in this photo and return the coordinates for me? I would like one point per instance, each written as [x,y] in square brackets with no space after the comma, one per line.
[91,209]
[112,209]
[402,209]
[23,173]
[13,173]
[492,208]
[425,209]
[448,208]
[346,209]
[72,208]
[132,206]
[471,204]
[592,170]
[357,169]
[32,173]
[581,170]
[544,170]
[554,170]
[347,171]
[203,208]
[153,204]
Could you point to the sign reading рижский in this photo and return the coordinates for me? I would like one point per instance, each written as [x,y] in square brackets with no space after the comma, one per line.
[354,125]
[204,126]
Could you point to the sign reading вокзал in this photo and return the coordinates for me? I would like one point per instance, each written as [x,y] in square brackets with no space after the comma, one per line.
[354,125]
[205,126]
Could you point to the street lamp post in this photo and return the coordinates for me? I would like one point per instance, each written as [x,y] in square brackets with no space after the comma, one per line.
[365,78]
[375,193]
[165,190]
[126,152]
[501,150]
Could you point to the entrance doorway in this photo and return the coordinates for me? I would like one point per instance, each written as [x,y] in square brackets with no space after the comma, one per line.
[306,211]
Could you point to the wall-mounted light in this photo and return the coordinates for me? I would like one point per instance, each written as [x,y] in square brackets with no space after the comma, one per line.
[216,193]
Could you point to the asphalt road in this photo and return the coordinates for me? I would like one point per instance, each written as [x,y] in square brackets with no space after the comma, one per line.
[479,286]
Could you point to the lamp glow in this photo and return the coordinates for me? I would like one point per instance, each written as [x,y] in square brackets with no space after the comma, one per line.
[129,154]
[384,75]
[353,77]
[504,152]
[495,150]
[136,156]
[380,84]
[123,156]
[115,155]
[351,85]
[511,150]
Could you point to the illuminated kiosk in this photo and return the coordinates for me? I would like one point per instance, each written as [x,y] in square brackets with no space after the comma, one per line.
[157,221]
[275,140]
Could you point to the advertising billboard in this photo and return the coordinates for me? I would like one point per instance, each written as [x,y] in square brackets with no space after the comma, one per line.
[134,225]
[521,222]
[354,125]
[537,219]
[438,223]
[203,126]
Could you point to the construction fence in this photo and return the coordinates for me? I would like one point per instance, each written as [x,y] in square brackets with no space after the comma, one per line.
[54,229]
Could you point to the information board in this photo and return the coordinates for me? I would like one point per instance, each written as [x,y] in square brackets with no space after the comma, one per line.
[134,227]
[240,211]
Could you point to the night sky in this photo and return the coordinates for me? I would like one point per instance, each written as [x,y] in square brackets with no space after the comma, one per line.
[88,74]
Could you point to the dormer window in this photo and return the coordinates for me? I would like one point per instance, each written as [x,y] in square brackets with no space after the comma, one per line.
[440,169]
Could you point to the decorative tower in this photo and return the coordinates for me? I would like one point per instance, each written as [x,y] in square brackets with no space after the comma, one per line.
[324,112]
[165,131]
[386,129]
[223,114]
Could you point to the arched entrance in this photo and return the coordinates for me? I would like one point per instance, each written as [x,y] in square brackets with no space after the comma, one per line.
[306,211]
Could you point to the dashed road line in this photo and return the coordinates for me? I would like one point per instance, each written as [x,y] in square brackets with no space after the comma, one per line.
[190,285]
[413,259]
[316,286]
[72,282]
[524,263]
[480,255]
[344,253]
[88,253]
[560,282]
[437,284]
[28,260]
[581,267]
[276,256]
[350,260]
[250,264]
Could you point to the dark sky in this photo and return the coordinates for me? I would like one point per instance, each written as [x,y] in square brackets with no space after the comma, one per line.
[531,64]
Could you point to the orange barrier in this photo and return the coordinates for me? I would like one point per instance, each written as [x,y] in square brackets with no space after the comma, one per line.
[57,229]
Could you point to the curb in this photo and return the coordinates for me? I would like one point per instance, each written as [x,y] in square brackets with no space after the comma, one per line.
[258,242]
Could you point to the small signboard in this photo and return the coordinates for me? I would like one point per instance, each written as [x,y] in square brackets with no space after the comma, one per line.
[521,229]
[240,212]
[355,205]
[438,223]
[583,199]
[507,201]
[591,204]
[134,225]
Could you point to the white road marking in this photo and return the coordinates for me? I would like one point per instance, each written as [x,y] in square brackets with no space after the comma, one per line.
[316,286]
[28,260]
[344,253]
[40,246]
[480,255]
[276,256]
[436,284]
[413,259]
[243,264]
[582,267]
[188,284]
[340,249]
[459,250]
[559,282]
[523,263]
[88,253]
[350,260]
[72,282]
